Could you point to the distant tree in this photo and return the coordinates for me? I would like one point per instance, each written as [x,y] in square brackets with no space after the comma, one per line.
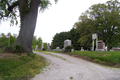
[36,41]
[85,27]
[45,46]
[5,41]
[51,45]
[58,39]
[74,37]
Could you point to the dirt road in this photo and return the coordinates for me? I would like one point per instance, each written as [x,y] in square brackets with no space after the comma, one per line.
[65,67]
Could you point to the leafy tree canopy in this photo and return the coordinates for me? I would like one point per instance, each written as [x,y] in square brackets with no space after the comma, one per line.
[103,19]
[9,8]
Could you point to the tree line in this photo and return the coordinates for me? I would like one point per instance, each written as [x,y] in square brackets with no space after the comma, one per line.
[5,41]
[102,18]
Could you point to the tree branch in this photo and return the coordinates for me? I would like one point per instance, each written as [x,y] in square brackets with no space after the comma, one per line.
[4,15]
[7,3]
[10,8]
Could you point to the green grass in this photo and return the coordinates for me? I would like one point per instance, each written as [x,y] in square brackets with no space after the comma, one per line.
[45,52]
[1,51]
[71,77]
[111,58]
[55,51]
[21,67]
[107,56]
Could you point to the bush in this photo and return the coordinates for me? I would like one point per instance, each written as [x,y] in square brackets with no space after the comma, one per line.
[18,49]
[14,49]
[43,49]
[8,49]
[68,48]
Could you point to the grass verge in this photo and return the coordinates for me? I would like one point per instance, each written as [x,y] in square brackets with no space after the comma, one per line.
[1,51]
[108,58]
[20,67]
[45,52]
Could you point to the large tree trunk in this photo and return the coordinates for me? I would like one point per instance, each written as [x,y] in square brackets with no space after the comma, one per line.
[28,24]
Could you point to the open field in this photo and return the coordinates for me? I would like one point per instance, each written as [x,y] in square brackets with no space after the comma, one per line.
[20,67]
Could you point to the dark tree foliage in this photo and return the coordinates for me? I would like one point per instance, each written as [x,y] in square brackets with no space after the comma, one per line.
[103,19]
[74,37]
[5,41]
[107,19]
[59,38]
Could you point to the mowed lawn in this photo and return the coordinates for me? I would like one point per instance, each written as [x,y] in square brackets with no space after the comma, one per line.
[20,67]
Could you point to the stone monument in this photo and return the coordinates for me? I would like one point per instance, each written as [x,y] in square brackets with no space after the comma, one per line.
[67,43]
[48,47]
[94,37]
[57,48]
[82,49]
[36,47]
[100,46]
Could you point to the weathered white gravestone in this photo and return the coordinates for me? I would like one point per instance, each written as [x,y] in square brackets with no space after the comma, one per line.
[82,49]
[67,43]
[94,36]
[57,48]
[48,46]
[36,47]
[72,50]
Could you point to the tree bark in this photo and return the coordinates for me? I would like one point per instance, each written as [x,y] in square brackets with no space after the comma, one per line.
[28,24]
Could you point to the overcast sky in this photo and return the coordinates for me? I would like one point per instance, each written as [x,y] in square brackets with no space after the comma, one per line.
[58,18]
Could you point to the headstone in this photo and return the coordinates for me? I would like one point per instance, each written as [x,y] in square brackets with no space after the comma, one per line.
[94,37]
[54,49]
[42,45]
[72,50]
[36,47]
[57,48]
[82,49]
[100,46]
[60,49]
[48,47]
[106,48]
[67,43]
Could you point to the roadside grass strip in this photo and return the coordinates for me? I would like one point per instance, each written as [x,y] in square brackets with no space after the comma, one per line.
[1,51]
[48,53]
[111,58]
[21,67]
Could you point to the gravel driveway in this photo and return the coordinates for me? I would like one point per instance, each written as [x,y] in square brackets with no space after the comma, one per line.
[65,67]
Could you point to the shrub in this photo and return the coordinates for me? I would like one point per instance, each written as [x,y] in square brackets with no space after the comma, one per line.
[14,49]
[8,49]
[1,51]
[68,48]
[43,49]
[18,49]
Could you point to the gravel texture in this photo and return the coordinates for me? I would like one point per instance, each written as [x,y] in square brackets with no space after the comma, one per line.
[65,67]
